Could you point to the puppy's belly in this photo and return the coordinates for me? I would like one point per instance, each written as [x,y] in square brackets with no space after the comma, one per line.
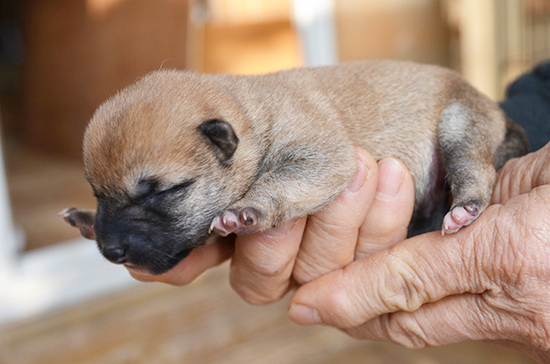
[429,213]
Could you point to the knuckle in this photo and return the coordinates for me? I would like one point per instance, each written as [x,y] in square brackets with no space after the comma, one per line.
[264,265]
[325,226]
[260,285]
[402,289]
[258,296]
[269,270]
[311,266]
[400,328]
[404,329]
[257,300]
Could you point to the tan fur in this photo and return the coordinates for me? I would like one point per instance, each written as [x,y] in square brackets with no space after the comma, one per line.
[388,108]
[297,131]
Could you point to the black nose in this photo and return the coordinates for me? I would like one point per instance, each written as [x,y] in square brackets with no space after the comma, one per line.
[115,254]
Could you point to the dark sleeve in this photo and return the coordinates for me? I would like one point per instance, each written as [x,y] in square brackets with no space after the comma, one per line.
[527,103]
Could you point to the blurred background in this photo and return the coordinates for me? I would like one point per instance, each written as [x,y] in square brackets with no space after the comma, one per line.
[60,302]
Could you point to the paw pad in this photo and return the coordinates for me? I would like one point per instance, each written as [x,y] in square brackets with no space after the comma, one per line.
[458,217]
[240,222]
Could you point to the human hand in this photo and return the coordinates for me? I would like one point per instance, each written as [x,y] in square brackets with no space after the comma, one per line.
[490,281]
[372,214]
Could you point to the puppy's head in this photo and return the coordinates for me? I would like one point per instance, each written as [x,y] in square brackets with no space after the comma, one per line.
[164,157]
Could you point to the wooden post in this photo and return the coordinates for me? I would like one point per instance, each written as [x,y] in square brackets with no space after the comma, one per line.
[478,46]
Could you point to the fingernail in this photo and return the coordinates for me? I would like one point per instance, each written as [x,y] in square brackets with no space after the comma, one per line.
[360,177]
[390,178]
[281,230]
[304,315]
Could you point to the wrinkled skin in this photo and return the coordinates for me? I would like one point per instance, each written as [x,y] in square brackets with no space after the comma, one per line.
[356,271]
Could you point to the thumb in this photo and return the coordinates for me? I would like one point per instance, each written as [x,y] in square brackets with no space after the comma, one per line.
[521,175]
[419,270]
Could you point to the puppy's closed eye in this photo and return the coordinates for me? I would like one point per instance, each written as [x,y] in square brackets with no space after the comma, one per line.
[150,188]
[146,188]
[180,187]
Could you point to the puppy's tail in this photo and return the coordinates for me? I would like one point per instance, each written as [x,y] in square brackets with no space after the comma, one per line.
[515,144]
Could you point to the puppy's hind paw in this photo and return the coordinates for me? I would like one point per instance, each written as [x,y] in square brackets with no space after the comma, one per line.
[458,217]
[240,222]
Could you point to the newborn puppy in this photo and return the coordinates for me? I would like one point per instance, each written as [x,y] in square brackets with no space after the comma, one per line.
[179,154]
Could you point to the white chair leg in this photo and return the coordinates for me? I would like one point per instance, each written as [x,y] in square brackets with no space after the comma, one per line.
[314,20]
[9,249]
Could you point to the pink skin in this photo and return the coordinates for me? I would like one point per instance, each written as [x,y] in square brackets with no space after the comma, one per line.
[458,217]
[239,222]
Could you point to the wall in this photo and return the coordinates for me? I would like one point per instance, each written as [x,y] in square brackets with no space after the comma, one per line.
[80,52]
[397,29]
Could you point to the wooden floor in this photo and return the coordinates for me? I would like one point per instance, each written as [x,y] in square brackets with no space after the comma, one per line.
[203,323]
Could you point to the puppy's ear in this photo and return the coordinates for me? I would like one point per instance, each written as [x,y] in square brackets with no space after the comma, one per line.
[221,136]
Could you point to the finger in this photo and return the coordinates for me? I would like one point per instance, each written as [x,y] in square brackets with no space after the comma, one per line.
[521,175]
[196,263]
[419,270]
[330,238]
[262,264]
[390,213]
[451,320]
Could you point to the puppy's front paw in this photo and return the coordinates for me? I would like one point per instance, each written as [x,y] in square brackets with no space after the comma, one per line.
[241,222]
[83,220]
[458,217]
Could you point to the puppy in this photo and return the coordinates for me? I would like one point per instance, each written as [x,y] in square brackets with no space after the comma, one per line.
[178,154]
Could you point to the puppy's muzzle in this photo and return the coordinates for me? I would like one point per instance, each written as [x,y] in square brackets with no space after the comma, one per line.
[143,237]
[115,254]
[117,251]
[120,252]
[143,248]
